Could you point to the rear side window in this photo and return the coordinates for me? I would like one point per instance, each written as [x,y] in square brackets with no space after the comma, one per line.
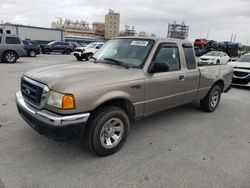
[12,40]
[190,58]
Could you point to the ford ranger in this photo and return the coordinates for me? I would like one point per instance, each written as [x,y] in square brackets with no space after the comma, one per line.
[127,79]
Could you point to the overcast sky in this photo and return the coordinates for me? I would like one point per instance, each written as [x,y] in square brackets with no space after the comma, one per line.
[220,17]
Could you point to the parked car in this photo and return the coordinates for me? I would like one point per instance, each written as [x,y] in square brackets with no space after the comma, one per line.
[32,48]
[87,52]
[61,47]
[127,79]
[201,42]
[11,48]
[241,71]
[214,57]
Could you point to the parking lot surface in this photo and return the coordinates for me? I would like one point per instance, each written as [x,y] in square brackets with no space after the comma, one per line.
[181,147]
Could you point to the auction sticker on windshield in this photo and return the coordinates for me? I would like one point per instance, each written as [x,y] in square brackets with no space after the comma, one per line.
[139,43]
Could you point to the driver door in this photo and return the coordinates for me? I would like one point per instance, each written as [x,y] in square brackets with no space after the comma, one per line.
[164,90]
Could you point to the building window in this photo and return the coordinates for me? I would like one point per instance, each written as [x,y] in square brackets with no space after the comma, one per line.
[8,31]
[1,30]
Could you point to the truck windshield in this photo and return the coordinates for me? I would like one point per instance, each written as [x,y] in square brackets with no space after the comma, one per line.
[245,58]
[129,52]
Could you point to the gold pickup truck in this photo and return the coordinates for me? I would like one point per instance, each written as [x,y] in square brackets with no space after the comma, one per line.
[127,79]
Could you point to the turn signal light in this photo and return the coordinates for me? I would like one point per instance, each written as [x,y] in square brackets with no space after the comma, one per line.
[68,102]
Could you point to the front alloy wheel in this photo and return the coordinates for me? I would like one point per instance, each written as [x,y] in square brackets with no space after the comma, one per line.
[111,133]
[10,57]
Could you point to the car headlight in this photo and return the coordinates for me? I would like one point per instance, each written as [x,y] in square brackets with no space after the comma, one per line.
[60,100]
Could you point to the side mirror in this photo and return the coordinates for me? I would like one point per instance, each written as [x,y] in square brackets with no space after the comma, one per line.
[156,67]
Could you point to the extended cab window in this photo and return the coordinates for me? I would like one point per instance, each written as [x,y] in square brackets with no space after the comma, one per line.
[190,58]
[12,40]
[169,55]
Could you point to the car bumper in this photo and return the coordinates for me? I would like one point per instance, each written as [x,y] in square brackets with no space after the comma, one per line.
[241,78]
[77,54]
[52,125]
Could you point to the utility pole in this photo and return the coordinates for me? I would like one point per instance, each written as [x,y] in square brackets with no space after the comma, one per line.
[235,37]
[207,33]
[232,37]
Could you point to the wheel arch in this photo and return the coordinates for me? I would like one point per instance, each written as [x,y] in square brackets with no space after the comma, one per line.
[220,83]
[121,102]
[10,50]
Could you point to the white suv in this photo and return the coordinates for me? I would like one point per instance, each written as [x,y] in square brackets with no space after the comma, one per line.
[87,52]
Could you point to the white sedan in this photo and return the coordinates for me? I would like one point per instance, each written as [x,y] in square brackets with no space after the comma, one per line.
[214,57]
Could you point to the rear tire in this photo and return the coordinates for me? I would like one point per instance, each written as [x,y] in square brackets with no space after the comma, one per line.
[9,57]
[68,52]
[107,130]
[212,99]
[47,51]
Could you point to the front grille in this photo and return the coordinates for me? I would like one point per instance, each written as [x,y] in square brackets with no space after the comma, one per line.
[240,74]
[204,59]
[32,91]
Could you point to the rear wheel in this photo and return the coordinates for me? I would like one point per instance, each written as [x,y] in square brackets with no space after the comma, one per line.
[107,130]
[9,57]
[68,52]
[32,53]
[212,99]
[47,51]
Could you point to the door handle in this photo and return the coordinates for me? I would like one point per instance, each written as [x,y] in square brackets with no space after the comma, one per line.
[181,77]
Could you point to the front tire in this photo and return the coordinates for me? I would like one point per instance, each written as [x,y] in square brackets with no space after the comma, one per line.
[107,130]
[32,53]
[212,99]
[88,56]
[9,57]
[79,58]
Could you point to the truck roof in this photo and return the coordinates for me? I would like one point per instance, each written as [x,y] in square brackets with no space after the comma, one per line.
[157,39]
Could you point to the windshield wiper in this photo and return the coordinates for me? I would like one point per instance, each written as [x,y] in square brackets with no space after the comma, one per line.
[117,62]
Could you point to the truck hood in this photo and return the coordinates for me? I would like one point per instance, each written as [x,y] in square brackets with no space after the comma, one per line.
[65,77]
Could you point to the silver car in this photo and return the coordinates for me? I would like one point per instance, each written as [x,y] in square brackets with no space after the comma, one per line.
[11,48]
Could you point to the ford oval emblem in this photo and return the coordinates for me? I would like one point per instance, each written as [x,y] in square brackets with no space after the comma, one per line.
[27,91]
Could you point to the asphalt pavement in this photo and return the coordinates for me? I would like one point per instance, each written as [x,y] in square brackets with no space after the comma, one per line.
[182,147]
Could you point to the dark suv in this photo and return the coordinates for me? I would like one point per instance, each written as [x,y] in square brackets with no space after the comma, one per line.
[62,47]
[11,48]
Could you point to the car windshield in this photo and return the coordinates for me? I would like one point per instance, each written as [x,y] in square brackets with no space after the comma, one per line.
[213,54]
[51,43]
[130,53]
[91,45]
[245,58]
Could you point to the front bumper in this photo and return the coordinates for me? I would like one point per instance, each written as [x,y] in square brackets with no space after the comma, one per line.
[241,77]
[78,54]
[59,127]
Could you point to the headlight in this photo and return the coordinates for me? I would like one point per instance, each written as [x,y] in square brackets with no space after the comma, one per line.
[62,101]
